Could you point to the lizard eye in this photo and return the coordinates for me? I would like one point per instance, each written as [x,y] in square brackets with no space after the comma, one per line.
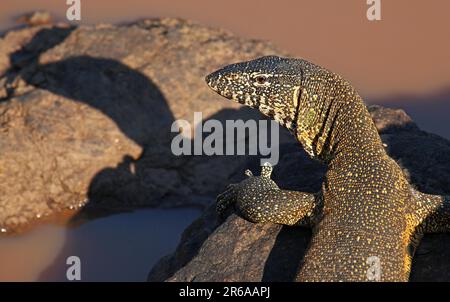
[261,80]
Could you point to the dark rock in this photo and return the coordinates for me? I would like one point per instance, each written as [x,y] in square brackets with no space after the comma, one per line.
[238,250]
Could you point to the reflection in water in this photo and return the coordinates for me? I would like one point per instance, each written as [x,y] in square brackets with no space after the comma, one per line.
[121,247]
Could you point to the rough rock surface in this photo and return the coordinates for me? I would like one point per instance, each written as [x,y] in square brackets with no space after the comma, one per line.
[237,250]
[86,113]
[35,18]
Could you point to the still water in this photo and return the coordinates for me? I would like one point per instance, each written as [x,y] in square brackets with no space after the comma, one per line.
[122,247]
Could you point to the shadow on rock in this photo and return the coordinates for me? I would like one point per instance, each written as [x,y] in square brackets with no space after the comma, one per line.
[286,255]
[140,110]
[128,98]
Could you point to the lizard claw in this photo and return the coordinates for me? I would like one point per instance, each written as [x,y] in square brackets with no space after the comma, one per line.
[266,170]
[248,173]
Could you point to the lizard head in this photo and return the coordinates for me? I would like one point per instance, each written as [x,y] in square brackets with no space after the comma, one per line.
[303,97]
[269,84]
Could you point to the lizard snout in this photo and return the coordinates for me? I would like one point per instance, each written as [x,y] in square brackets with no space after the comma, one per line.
[212,79]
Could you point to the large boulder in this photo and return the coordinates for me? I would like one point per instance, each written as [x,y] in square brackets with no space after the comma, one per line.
[237,250]
[86,114]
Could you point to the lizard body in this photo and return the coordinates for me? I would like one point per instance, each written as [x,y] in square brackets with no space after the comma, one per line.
[367,220]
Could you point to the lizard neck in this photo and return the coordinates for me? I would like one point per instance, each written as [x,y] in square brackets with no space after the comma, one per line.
[333,120]
[354,131]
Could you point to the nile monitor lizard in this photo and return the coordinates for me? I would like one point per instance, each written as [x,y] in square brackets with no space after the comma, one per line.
[367,220]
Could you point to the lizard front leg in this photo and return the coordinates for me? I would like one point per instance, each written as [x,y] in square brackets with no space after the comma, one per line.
[259,199]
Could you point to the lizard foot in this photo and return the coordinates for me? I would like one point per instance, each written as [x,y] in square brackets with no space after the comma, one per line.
[236,193]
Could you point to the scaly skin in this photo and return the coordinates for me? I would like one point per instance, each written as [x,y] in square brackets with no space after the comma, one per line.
[367,220]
